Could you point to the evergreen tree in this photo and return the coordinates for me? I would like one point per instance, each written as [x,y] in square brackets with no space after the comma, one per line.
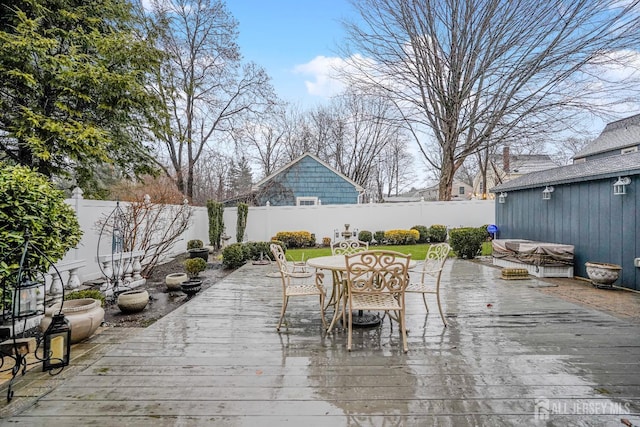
[240,178]
[73,87]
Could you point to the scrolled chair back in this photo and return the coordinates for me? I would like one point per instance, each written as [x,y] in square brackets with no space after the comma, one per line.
[278,255]
[377,272]
[348,247]
[436,257]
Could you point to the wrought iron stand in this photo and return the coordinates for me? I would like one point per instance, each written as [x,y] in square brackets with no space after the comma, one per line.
[23,297]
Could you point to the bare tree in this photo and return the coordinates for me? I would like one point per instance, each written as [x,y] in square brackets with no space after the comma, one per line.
[155,218]
[211,177]
[203,84]
[361,128]
[567,149]
[265,140]
[469,73]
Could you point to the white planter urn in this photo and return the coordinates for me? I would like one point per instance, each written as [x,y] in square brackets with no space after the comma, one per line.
[174,280]
[133,301]
[84,315]
[602,274]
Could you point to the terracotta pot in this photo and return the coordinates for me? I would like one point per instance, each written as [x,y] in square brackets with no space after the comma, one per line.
[174,280]
[84,315]
[602,274]
[133,301]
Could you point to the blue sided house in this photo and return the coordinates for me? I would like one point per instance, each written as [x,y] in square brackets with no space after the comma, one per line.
[306,181]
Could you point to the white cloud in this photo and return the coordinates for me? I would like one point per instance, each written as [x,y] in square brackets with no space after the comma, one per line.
[324,75]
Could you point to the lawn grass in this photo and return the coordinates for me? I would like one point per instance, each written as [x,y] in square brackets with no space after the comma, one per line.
[418,252]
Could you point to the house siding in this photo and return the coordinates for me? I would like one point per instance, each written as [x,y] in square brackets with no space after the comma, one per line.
[603,227]
[308,178]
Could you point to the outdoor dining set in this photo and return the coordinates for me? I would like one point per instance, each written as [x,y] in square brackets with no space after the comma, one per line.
[363,280]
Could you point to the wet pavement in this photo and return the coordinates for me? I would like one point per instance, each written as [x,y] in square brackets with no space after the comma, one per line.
[512,355]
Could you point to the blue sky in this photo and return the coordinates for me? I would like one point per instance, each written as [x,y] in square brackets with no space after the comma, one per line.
[295,41]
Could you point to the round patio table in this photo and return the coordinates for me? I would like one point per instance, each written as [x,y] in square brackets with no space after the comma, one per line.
[337,265]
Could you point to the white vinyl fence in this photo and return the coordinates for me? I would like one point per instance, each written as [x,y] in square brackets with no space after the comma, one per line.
[263,222]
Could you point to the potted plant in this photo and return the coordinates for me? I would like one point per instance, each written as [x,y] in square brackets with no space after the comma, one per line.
[196,249]
[603,274]
[193,267]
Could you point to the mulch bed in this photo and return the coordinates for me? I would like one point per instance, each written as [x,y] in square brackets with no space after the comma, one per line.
[161,301]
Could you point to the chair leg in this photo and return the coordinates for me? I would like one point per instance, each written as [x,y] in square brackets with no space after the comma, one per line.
[350,329]
[440,309]
[324,322]
[284,308]
[403,329]
[424,299]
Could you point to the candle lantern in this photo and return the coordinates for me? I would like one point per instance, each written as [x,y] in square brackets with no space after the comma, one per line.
[57,343]
[25,301]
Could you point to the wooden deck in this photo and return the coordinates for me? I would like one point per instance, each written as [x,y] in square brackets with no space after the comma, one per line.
[512,355]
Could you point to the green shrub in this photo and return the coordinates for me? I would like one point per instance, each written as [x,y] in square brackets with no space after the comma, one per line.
[29,202]
[466,241]
[279,242]
[401,237]
[365,236]
[241,224]
[194,266]
[233,256]
[296,239]
[424,233]
[255,249]
[437,233]
[378,236]
[487,235]
[85,293]
[195,244]
[215,212]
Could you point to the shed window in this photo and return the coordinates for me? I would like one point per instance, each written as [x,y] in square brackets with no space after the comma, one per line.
[461,191]
[306,201]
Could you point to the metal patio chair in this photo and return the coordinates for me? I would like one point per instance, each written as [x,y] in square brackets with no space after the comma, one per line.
[430,273]
[348,247]
[376,280]
[291,289]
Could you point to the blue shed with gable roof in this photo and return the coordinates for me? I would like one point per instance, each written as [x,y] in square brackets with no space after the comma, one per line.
[307,181]
[583,208]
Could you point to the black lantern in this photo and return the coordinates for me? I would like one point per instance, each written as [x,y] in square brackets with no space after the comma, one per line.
[25,297]
[57,343]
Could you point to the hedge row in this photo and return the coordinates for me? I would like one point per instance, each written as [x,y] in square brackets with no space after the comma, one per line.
[296,239]
[466,239]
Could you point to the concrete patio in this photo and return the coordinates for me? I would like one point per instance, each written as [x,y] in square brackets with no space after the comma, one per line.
[512,355]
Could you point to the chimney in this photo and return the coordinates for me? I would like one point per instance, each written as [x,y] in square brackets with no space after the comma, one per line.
[505,158]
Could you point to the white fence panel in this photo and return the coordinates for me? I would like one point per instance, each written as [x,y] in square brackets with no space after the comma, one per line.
[263,222]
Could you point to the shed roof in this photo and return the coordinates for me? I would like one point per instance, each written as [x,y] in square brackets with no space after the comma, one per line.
[615,136]
[605,167]
[288,165]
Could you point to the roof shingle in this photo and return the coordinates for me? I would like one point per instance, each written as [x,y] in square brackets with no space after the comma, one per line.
[605,167]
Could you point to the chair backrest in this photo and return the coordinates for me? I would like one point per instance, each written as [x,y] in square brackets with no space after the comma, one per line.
[348,247]
[281,260]
[375,272]
[434,260]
